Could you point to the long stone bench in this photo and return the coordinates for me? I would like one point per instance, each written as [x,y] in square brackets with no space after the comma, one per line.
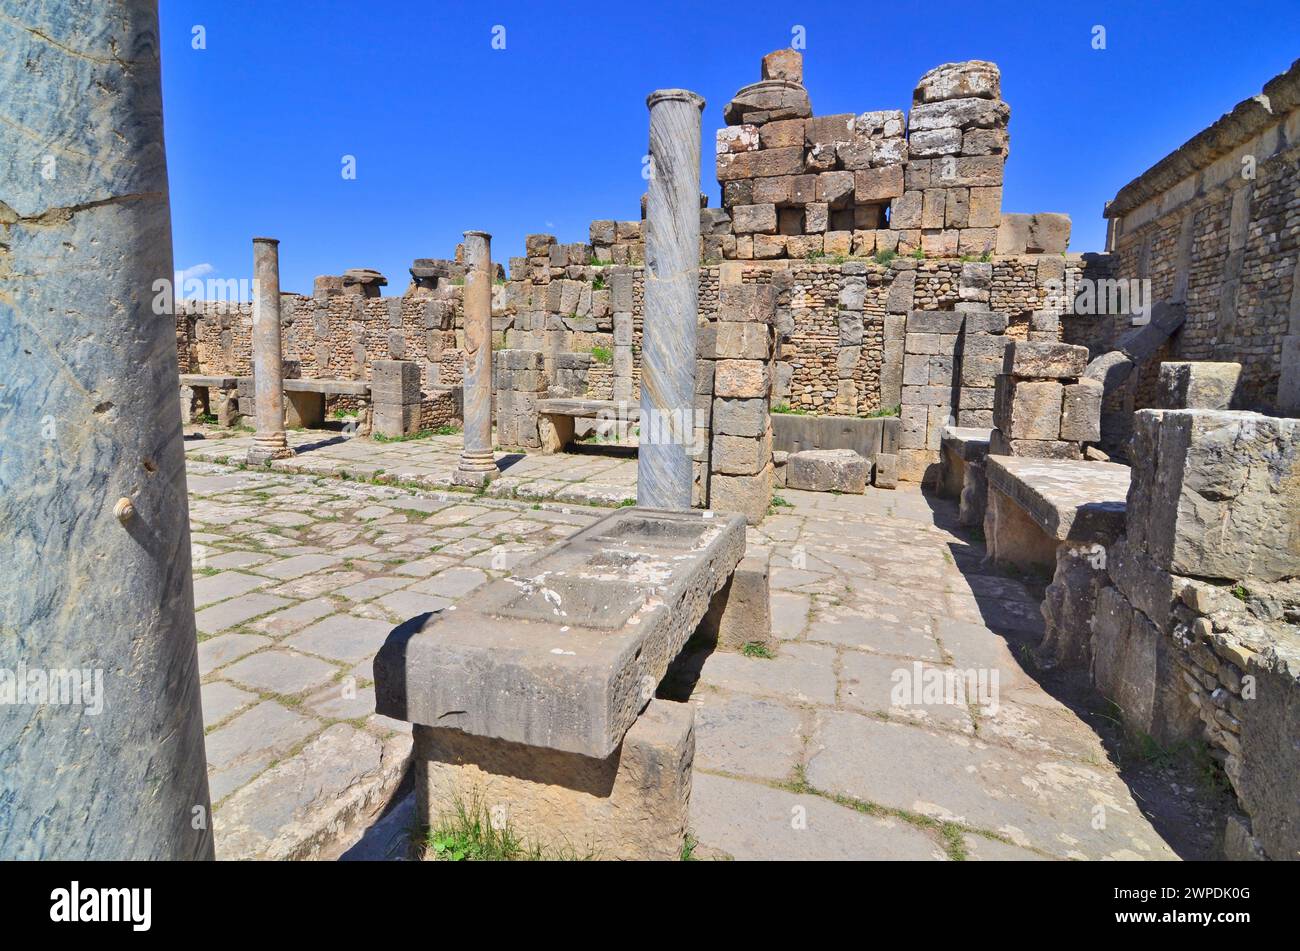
[1035,505]
[534,696]
[203,393]
[556,416]
[304,403]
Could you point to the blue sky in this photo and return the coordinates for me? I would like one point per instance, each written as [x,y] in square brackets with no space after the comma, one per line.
[450,134]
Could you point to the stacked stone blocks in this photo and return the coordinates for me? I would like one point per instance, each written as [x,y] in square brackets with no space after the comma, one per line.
[1043,406]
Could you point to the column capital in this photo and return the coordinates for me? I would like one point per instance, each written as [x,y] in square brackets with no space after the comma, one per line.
[675,95]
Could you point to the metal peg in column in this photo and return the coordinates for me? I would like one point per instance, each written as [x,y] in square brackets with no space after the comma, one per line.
[477,465]
[101,735]
[672,268]
[269,442]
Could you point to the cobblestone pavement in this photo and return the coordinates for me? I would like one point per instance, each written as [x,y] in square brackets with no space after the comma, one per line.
[589,476]
[812,753]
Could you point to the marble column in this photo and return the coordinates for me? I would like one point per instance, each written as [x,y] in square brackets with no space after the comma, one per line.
[477,465]
[101,735]
[672,266]
[268,358]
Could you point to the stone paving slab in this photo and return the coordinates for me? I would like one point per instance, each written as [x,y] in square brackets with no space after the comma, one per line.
[863,586]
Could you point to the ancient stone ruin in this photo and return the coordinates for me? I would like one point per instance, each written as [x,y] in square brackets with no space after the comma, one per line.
[529,535]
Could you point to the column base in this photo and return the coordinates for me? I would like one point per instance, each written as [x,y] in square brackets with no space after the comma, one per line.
[474,478]
[262,453]
[631,805]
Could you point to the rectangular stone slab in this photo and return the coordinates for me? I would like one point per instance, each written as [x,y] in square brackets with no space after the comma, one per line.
[328,387]
[565,652]
[1069,499]
[215,382]
[582,408]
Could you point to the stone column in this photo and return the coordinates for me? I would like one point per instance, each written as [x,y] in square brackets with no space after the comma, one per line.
[672,265]
[93,515]
[268,361]
[477,465]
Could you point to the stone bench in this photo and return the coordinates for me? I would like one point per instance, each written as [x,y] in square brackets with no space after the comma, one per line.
[963,450]
[556,416]
[304,400]
[196,394]
[1062,515]
[1035,505]
[534,696]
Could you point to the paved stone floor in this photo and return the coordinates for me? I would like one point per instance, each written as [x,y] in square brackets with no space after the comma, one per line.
[811,753]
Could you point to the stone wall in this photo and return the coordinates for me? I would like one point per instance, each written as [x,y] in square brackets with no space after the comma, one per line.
[1216,225]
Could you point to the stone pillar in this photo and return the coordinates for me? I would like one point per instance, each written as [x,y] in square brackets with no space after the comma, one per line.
[268,362]
[477,465]
[112,766]
[664,471]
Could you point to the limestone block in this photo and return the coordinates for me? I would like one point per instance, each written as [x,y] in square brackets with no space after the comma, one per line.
[934,143]
[901,290]
[768,246]
[746,219]
[1200,385]
[984,142]
[905,212]
[1045,361]
[959,113]
[743,379]
[974,78]
[741,612]
[782,134]
[1069,604]
[816,217]
[1044,233]
[934,321]
[1216,494]
[886,470]
[834,188]
[746,302]
[827,470]
[763,163]
[631,805]
[850,328]
[878,184]
[740,417]
[1000,445]
[838,242]
[747,495]
[744,341]
[1081,411]
[741,455]
[1134,665]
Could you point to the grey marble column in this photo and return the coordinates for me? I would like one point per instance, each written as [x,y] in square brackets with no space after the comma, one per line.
[268,357]
[672,266]
[477,465]
[94,525]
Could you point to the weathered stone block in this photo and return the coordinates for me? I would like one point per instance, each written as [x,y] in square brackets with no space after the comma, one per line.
[878,184]
[632,804]
[740,417]
[1045,361]
[827,470]
[741,379]
[747,219]
[886,470]
[1201,385]
[1081,411]
[741,613]
[1216,494]
[747,495]
[743,341]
